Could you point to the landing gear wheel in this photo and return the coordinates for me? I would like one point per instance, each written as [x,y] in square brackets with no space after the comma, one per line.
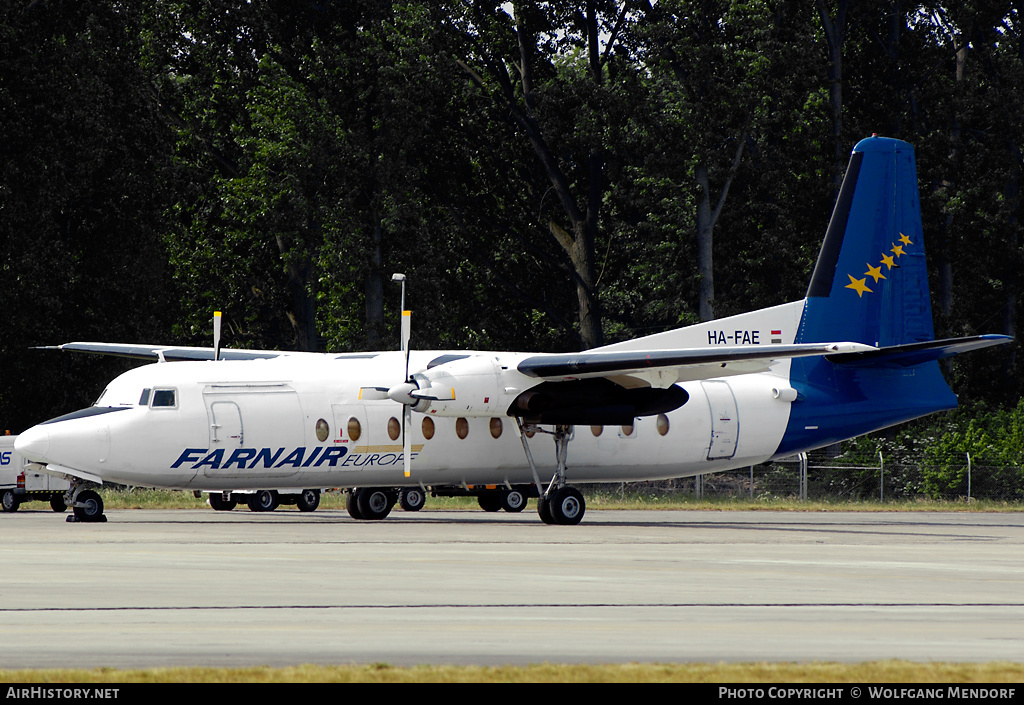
[374,503]
[489,501]
[308,500]
[513,500]
[263,501]
[57,505]
[567,506]
[217,501]
[91,507]
[352,505]
[8,502]
[412,499]
[544,510]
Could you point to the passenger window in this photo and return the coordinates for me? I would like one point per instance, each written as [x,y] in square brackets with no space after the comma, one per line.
[164,398]
[322,430]
[355,430]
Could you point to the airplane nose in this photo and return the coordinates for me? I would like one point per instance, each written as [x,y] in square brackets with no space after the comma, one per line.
[33,444]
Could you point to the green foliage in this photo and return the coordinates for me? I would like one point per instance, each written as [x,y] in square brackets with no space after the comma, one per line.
[278,161]
[935,454]
[85,182]
[994,440]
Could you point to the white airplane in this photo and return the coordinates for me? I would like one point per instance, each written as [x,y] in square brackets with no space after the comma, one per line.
[856,355]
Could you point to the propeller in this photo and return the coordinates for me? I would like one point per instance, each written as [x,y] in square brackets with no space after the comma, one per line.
[402,392]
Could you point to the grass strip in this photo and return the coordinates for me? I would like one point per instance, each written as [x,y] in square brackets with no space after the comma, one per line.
[859,673]
[176,499]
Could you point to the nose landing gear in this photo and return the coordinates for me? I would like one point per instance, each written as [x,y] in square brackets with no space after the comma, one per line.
[86,504]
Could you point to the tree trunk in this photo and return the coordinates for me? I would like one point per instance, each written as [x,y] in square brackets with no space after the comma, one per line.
[834,36]
[705,244]
[303,310]
[706,219]
[375,290]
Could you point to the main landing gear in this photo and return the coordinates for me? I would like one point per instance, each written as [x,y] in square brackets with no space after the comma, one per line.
[559,503]
[371,503]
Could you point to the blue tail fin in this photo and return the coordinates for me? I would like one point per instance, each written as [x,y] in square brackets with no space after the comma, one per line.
[870,284]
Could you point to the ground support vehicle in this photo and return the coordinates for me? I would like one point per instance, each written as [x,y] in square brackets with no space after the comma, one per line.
[20,483]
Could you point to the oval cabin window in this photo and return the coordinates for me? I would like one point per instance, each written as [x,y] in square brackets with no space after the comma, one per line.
[461,427]
[662,424]
[322,430]
[394,429]
[354,429]
[495,428]
[428,428]
[596,430]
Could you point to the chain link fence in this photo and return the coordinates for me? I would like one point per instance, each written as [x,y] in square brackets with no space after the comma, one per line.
[820,476]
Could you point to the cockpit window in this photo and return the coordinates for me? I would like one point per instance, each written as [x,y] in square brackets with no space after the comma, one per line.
[144,399]
[164,398]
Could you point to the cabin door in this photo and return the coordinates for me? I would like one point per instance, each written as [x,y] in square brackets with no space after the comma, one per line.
[724,422]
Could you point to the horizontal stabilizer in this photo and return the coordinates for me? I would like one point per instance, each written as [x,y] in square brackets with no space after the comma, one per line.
[916,353]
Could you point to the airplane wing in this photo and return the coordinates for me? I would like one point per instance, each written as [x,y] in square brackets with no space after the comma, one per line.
[168,353]
[661,368]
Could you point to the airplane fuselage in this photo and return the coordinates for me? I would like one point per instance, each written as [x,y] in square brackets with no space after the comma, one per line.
[287,423]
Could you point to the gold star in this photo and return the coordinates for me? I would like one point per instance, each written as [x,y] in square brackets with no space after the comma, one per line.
[897,250]
[874,272]
[858,285]
[887,261]
[905,240]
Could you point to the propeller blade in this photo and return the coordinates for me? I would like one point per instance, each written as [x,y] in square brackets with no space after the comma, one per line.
[216,335]
[406,333]
[372,393]
[406,330]
[434,393]
[407,441]
[401,392]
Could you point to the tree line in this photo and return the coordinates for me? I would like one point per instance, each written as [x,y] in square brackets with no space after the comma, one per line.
[549,175]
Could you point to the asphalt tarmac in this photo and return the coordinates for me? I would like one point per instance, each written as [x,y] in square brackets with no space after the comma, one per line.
[197,587]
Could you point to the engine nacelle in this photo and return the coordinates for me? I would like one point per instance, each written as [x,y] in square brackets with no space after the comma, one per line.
[477,385]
